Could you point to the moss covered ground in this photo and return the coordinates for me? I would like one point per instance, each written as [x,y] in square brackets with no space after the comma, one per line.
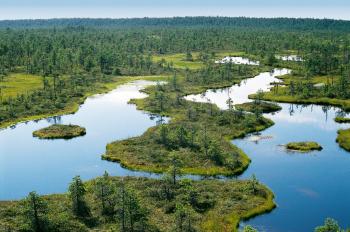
[343,139]
[59,131]
[211,205]
[304,146]
[264,107]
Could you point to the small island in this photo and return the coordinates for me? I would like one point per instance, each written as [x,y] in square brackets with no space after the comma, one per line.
[264,107]
[60,132]
[343,139]
[304,146]
[342,120]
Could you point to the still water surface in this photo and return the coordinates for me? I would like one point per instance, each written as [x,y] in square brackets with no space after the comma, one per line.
[308,187]
[47,166]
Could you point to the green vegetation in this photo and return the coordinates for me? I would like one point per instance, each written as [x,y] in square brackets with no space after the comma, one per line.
[139,204]
[181,60]
[199,135]
[60,132]
[330,225]
[49,67]
[259,106]
[343,139]
[19,83]
[75,61]
[320,88]
[304,146]
[195,60]
[264,107]
[342,120]
[38,106]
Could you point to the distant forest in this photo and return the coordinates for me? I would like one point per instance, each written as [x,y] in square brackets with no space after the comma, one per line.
[238,22]
[77,53]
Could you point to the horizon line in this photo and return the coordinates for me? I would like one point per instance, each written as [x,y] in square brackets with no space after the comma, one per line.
[173,17]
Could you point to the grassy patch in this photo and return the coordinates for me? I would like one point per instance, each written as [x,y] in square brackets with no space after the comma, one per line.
[264,107]
[342,120]
[179,61]
[343,139]
[60,132]
[213,205]
[304,146]
[19,83]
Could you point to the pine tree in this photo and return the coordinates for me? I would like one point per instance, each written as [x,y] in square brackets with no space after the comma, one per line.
[35,211]
[77,194]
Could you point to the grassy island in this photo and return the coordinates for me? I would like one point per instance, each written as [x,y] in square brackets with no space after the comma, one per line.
[342,120]
[264,107]
[304,146]
[155,205]
[343,139]
[198,137]
[58,131]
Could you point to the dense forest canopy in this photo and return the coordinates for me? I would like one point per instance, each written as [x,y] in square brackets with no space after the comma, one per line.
[241,22]
[68,59]
[75,54]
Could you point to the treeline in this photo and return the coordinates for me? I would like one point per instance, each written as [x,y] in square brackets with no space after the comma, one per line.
[130,51]
[81,57]
[288,24]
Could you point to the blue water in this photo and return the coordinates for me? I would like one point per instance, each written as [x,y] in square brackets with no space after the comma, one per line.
[47,166]
[308,187]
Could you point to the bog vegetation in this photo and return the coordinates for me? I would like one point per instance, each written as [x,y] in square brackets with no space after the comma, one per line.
[58,131]
[304,146]
[48,67]
[139,204]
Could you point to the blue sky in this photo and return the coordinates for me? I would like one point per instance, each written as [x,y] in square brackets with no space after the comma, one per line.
[13,9]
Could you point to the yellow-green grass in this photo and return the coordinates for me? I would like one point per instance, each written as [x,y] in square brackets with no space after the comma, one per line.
[19,83]
[264,107]
[60,132]
[217,223]
[343,139]
[342,120]
[304,146]
[229,202]
[179,59]
[74,106]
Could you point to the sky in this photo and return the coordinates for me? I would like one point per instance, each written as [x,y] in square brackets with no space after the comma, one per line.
[38,9]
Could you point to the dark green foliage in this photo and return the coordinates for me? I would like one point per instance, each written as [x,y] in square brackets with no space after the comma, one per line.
[77,195]
[129,213]
[35,213]
[330,225]
[286,24]
[78,54]
[104,192]
[142,204]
